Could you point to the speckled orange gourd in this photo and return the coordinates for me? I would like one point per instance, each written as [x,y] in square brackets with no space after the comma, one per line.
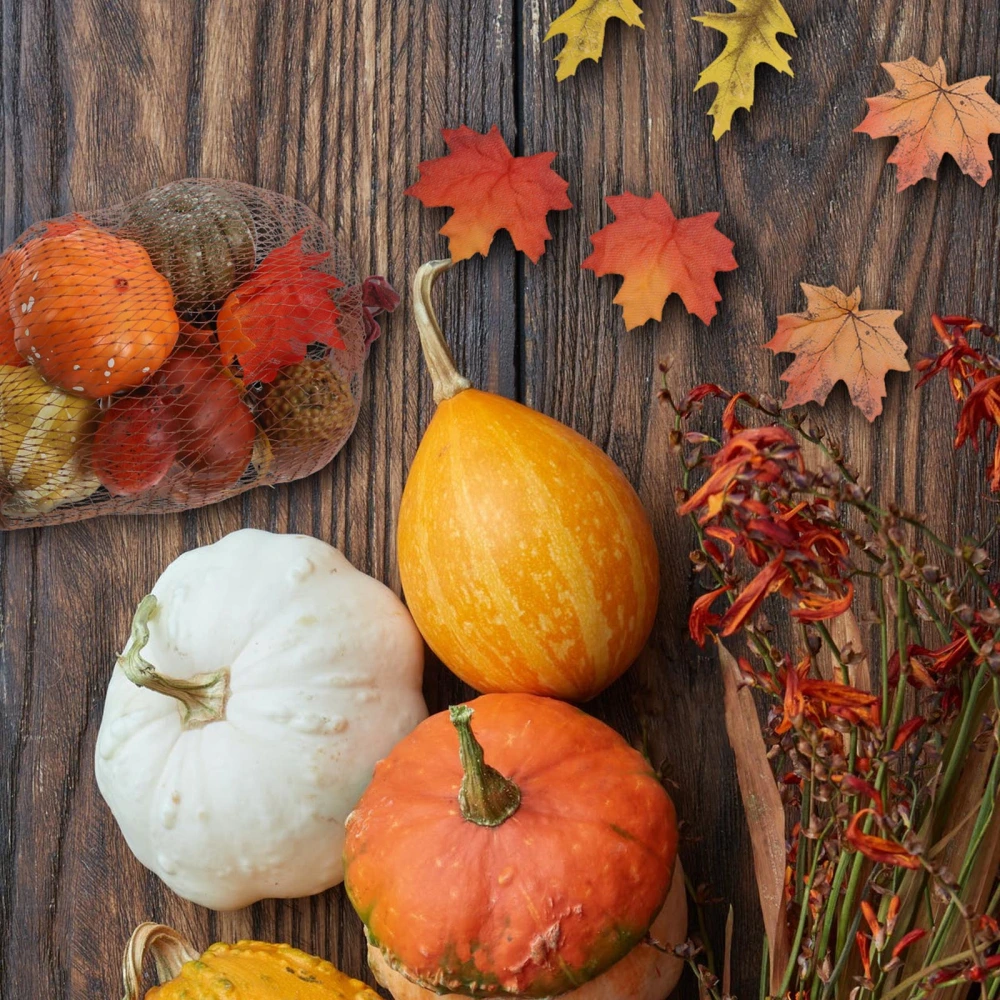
[526,558]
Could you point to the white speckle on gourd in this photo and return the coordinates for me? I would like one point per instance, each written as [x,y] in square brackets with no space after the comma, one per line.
[166,864]
[301,569]
[168,816]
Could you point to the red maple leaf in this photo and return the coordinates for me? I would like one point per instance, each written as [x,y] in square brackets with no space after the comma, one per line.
[659,254]
[282,308]
[491,189]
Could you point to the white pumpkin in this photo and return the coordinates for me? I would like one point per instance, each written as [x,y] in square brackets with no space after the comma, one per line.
[275,675]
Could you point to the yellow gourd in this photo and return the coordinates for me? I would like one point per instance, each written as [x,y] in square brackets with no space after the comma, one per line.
[44,436]
[527,560]
[248,970]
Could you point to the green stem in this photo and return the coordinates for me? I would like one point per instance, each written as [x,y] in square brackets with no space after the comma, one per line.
[203,696]
[971,713]
[842,958]
[786,980]
[919,977]
[983,820]
[829,910]
[706,941]
[848,906]
[486,797]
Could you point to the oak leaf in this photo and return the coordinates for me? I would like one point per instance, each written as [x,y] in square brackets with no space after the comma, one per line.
[834,340]
[659,254]
[584,25]
[751,32]
[932,117]
[491,189]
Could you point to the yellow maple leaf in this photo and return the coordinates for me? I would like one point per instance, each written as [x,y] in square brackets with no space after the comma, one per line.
[751,32]
[584,24]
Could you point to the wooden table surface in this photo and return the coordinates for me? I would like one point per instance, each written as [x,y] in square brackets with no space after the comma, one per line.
[335,102]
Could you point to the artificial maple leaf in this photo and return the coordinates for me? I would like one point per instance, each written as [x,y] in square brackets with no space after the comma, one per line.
[931,118]
[584,25]
[834,340]
[659,254]
[751,32]
[270,320]
[490,189]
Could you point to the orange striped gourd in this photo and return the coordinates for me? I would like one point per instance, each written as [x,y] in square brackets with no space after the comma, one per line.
[526,558]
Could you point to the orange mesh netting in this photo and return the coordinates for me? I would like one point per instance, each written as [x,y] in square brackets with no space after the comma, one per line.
[203,339]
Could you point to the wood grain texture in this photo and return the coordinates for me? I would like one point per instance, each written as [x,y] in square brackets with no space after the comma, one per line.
[335,102]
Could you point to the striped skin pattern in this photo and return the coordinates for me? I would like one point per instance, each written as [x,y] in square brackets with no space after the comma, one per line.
[527,560]
[548,900]
[43,459]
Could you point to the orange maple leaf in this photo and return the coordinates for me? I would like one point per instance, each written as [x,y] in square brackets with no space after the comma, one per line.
[491,189]
[833,341]
[932,118]
[659,254]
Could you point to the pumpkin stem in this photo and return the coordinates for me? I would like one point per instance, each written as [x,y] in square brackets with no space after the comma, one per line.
[486,797]
[169,949]
[444,375]
[203,697]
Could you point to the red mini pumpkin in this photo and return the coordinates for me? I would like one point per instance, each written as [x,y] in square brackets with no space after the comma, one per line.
[527,858]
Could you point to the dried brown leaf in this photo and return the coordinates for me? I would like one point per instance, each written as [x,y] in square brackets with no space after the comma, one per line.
[764,811]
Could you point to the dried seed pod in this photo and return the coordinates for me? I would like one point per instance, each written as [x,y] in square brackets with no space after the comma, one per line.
[308,409]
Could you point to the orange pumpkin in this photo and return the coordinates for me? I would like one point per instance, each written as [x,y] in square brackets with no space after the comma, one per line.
[512,846]
[648,972]
[10,263]
[91,313]
[527,560]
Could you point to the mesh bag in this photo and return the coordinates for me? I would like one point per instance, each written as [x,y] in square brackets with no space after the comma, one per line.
[203,339]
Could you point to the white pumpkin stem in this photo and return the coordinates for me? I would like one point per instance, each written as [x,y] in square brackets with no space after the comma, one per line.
[203,697]
[169,949]
[485,797]
[447,380]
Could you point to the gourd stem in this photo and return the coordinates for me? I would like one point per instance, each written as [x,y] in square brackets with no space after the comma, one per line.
[203,697]
[169,950]
[486,797]
[444,375]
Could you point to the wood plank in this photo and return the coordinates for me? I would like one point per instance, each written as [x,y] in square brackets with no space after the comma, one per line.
[805,199]
[333,101]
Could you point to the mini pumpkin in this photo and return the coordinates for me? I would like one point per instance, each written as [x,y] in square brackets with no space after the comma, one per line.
[527,858]
[248,970]
[44,443]
[199,237]
[10,265]
[91,313]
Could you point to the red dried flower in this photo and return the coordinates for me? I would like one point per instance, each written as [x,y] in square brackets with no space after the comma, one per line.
[701,618]
[982,404]
[818,700]
[963,363]
[854,785]
[862,941]
[877,848]
[906,940]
